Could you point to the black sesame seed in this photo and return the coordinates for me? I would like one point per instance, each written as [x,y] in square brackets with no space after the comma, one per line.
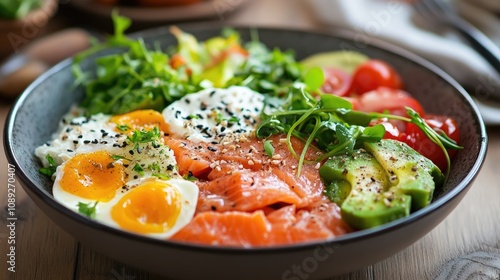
[213,208]
[131,152]
[95,141]
[187,101]
[135,176]
[86,141]
[75,141]
[177,113]
[69,150]
[210,148]
[212,93]
[80,136]
[228,111]
[222,129]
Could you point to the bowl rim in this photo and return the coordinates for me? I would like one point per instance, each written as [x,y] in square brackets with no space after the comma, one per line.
[336,241]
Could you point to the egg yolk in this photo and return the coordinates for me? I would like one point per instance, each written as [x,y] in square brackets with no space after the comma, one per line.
[152,207]
[139,120]
[93,176]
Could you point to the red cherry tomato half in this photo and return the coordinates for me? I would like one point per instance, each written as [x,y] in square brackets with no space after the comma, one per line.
[391,130]
[416,138]
[387,99]
[374,74]
[336,82]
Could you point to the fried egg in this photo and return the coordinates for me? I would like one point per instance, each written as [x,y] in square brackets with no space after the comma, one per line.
[215,114]
[120,167]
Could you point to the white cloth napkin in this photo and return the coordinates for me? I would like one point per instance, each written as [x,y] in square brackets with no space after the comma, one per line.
[396,22]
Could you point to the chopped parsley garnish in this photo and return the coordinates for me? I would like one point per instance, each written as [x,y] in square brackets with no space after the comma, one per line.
[118,157]
[137,168]
[145,136]
[162,176]
[233,120]
[220,118]
[51,169]
[268,148]
[123,127]
[87,209]
[190,177]
[154,167]
[193,117]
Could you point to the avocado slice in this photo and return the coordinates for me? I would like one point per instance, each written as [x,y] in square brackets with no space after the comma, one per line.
[409,172]
[345,60]
[380,183]
[359,184]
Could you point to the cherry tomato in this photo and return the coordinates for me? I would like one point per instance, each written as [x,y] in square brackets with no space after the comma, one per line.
[391,130]
[337,82]
[386,99]
[374,74]
[416,138]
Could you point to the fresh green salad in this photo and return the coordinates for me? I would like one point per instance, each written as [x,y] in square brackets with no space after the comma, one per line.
[378,153]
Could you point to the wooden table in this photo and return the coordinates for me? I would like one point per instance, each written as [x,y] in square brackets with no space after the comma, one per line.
[466,243]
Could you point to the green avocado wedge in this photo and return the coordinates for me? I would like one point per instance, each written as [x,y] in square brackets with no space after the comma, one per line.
[380,183]
[344,60]
[408,171]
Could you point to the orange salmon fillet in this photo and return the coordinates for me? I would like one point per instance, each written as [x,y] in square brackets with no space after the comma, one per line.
[280,227]
[249,199]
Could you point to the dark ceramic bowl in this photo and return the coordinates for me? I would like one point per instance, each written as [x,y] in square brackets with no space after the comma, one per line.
[35,116]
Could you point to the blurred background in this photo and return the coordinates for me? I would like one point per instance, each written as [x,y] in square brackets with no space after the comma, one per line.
[36,34]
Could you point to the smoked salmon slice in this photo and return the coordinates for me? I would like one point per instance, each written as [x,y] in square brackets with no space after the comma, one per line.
[245,190]
[248,198]
[232,228]
[280,227]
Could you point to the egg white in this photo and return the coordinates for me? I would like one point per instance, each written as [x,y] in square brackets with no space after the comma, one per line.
[81,135]
[215,114]
[156,161]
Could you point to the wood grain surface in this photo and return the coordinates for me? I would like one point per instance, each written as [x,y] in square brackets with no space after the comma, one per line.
[465,246]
